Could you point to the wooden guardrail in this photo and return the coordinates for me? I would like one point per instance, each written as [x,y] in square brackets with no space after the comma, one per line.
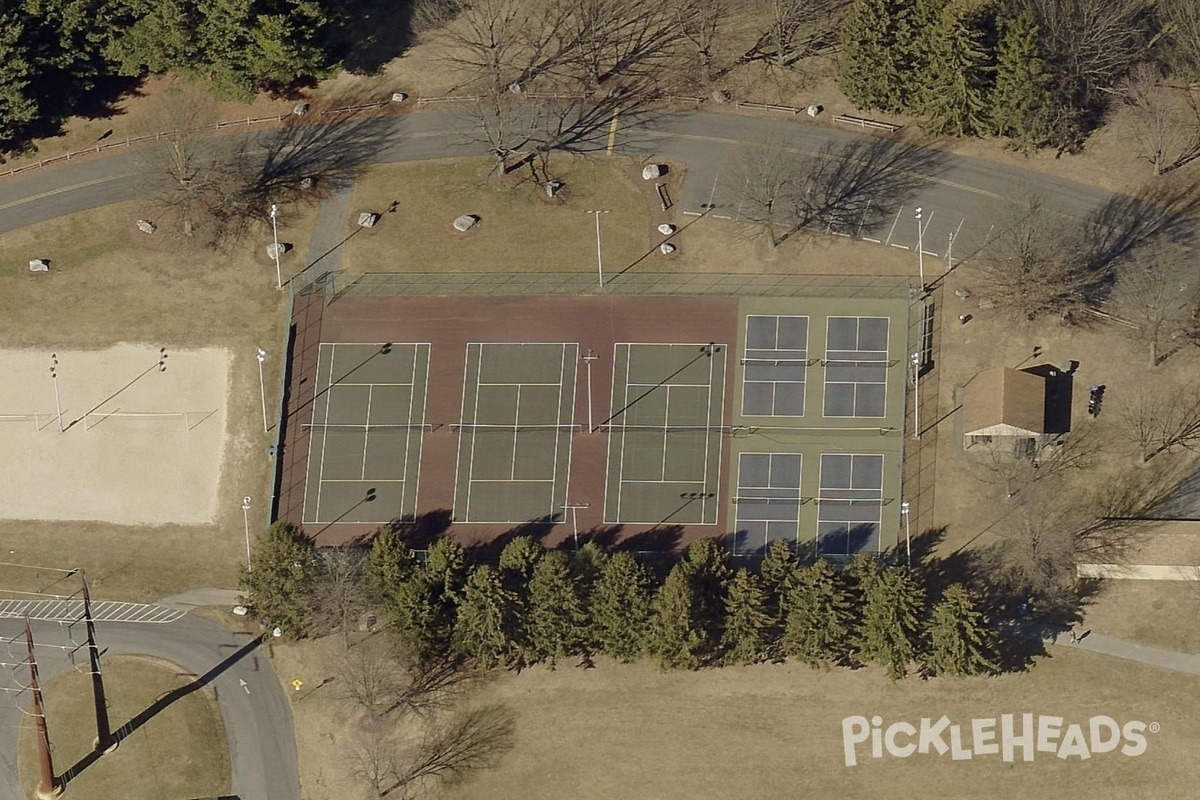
[863,122]
[793,110]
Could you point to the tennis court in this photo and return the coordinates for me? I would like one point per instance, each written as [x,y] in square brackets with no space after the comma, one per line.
[665,433]
[515,431]
[366,433]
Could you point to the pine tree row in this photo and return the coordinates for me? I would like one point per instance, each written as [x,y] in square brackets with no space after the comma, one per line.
[967,68]
[543,606]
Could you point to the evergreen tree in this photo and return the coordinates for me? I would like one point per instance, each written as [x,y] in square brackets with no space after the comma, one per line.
[890,631]
[519,558]
[1022,102]
[778,572]
[621,608]
[871,65]
[421,618]
[555,621]
[18,76]
[819,617]
[446,565]
[707,568]
[389,564]
[746,637]
[280,582]
[483,628]
[956,82]
[587,565]
[676,637]
[960,641]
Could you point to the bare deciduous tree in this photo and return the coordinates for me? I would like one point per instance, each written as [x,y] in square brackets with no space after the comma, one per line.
[774,178]
[1157,291]
[341,592]
[1032,265]
[699,23]
[370,675]
[472,740]
[1182,18]
[372,757]
[1072,452]
[1163,121]
[1092,43]
[792,29]
[621,39]
[1162,419]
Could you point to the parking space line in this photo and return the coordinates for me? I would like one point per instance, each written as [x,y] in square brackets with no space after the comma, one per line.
[894,222]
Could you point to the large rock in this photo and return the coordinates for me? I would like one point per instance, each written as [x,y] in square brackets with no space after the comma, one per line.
[367,219]
[666,229]
[465,222]
[666,248]
[652,171]
[39,265]
[146,226]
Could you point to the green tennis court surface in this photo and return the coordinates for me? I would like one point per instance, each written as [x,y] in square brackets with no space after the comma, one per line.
[664,444]
[366,432]
[514,450]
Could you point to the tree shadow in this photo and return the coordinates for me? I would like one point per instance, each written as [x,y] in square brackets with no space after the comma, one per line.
[489,550]
[60,102]
[374,33]
[853,186]
[1162,210]
[162,703]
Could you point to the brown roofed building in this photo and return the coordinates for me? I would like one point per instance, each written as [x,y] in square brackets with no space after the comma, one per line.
[1004,403]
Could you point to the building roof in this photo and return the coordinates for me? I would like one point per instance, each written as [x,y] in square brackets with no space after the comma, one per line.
[1005,401]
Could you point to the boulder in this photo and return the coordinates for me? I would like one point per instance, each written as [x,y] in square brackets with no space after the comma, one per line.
[465,222]
[146,226]
[278,250]
[300,109]
[666,248]
[652,171]
[720,96]
[308,183]
[666,229]
[39,265]
[814,110]
[399,97]
[552,187]
[367,219]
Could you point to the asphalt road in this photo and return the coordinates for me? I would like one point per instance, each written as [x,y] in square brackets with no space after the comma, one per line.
[257,715]
[960,196]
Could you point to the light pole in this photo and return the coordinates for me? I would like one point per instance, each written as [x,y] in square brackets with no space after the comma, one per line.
[950,253]
[262,387]
[246,524]
[587,360]
[599,260]
[921,248]
[907,530]
[275,252]
[915,359]
[54,380]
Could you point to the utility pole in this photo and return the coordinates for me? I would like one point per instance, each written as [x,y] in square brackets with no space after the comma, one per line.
[916,373]
[48,785]
[104,739]
[907,530]
[262,387]
[57,397]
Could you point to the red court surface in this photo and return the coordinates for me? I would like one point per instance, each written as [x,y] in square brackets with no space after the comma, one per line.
[587,331]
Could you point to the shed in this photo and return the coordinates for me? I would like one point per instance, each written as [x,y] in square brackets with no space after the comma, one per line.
[1006,404]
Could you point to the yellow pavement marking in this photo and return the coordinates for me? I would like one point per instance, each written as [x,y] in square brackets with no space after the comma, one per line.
[64,189]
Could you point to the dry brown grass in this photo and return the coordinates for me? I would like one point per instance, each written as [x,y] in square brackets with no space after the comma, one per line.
[774,731]
[111,284]
[521,230]
[180,753]
[1155,613]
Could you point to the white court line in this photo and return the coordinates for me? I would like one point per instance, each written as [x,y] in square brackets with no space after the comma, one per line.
[672,385]
[459,460]
[716,499]
[512,480]
[328,390]
[367,435]
[664,480]
[666,417]
[344,383]
[896,220]
[357,480]
[421,442]
[488,383]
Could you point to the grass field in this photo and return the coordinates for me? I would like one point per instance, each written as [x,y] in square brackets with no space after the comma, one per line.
[520,230]
[775,731]
[179,753]
[109,284]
